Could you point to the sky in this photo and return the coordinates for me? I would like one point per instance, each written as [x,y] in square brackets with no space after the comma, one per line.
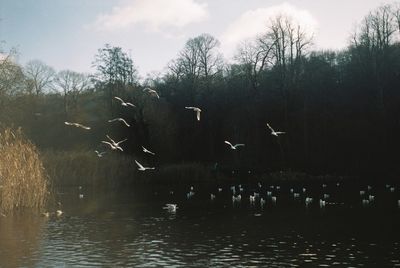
[66,34]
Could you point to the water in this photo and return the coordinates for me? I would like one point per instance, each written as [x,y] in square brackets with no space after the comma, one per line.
[131,228]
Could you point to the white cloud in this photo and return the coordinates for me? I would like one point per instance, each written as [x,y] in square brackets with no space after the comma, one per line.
[155,15]
[254,22]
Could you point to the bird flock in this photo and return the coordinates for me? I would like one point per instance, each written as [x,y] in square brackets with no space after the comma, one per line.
[114,146]
[257,196]
[260,196]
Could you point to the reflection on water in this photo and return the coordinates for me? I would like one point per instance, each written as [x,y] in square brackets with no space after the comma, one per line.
[131,228]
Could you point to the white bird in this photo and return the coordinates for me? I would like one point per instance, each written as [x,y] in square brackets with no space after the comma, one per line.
[236,199]
[212,196]
[59,212]
[76,125]
[120,120]
[234,147]
[114,145]
[152,92]
[142,168]
[46,214]
[147,151]
[252,199]
[262,202]
[196,109]
[273,132]
[123,103]
[171,207]
[99,154]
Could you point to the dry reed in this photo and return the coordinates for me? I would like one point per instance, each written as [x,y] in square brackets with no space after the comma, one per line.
[23,181]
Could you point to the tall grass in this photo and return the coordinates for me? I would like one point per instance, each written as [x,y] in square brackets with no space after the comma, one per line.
[23,180]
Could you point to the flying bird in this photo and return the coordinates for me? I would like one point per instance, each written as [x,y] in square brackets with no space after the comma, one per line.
[99,154]
[147,151]
[120,120]
[152,92]
[195,109]
[76,125]
[123,103]
[142,168]
[114,145]
[273,132]
[234,147]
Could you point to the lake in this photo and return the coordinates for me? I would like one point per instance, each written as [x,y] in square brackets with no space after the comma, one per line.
[132,227]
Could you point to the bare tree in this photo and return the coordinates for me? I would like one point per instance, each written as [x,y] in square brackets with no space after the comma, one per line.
[72,84]
[11,75]
[115,70]
[40,76]
[255,57]
[199,59]
[396,14]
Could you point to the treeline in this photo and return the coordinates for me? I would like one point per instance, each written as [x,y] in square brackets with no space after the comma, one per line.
[339,109]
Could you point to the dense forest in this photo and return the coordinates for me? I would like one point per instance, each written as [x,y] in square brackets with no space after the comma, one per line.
[340,109]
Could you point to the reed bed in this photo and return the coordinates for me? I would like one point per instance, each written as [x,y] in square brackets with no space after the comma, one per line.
[23,180]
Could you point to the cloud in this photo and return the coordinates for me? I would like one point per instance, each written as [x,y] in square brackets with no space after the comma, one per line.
[155,15]
[254,22]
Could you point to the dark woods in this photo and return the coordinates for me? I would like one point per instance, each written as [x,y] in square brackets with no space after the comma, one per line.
[340,109]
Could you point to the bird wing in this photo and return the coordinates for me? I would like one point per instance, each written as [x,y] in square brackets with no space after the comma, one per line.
[139,165]
[198,114]
[189,107]
[118,98]
[68,123]
[110,139]
[81,126]
[227,142]
[239,144]
[147,151]
[155,93]
[270,128]
[106,142]
[280,132]
[130,104]
[122,120]
[112,120]
[121,141]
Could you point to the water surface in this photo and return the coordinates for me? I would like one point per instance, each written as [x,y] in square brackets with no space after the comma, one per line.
[130,228]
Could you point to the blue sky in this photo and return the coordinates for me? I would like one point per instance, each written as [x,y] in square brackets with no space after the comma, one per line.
[67,33]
